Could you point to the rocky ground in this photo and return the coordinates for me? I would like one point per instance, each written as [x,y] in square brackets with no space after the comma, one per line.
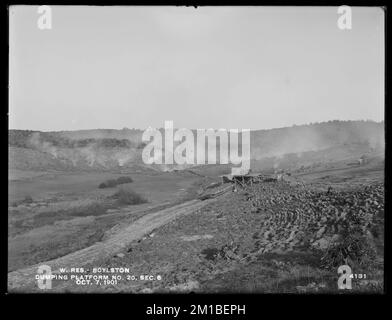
[269,237]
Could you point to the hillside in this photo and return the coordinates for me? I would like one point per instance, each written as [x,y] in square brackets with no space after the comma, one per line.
[108,149]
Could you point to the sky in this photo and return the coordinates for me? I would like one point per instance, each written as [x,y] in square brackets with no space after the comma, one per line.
[210,67]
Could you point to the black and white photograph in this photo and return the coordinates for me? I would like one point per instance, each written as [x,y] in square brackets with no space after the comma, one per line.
[196,149]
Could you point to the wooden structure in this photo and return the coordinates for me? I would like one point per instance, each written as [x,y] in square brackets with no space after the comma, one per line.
[248,179]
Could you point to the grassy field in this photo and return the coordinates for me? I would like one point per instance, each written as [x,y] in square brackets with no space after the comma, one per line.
[53,214]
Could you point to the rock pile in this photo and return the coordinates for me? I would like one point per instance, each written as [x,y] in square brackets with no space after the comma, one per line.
[299,217]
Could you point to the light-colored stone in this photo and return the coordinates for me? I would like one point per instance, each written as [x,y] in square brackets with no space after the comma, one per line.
[320,232]
[196,237]
[188,286]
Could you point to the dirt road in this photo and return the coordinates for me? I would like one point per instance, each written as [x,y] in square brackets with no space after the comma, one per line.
[25,278]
